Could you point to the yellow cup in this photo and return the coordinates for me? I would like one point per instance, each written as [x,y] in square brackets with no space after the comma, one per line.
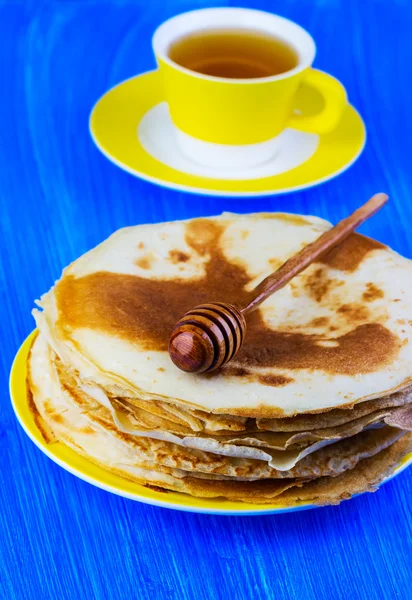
[236,123]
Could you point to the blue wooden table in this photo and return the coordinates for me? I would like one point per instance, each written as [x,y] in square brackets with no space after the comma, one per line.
[61,538]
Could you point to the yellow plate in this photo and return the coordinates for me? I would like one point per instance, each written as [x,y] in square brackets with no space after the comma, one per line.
[115,118]
[82,468]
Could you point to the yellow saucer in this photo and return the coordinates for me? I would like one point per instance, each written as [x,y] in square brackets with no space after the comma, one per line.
[86,470]
[116,116]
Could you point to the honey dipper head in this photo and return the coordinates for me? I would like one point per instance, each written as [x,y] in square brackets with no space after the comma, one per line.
[207,337]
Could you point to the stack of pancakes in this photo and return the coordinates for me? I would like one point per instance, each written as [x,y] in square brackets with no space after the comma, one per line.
[316,406]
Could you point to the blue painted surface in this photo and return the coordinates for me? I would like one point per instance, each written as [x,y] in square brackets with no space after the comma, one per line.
[61,538]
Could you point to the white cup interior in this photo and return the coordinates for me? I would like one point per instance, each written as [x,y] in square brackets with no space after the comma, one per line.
[235,18]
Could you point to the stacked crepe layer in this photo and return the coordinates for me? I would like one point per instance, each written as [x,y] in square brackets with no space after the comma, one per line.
[315,407]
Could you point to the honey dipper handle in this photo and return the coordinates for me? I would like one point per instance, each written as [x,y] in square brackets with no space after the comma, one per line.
[310,253]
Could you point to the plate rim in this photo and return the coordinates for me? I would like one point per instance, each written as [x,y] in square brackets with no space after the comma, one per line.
[206,191]
[21,356]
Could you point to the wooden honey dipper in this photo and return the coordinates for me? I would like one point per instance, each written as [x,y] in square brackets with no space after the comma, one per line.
[210,335]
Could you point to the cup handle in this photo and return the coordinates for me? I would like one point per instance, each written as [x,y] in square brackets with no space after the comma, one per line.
[335,101]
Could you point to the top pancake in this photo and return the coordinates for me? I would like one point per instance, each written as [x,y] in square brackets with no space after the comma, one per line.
[336,335]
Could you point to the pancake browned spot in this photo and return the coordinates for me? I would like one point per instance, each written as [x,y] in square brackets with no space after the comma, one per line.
[319,322]
[354,312]
[274,380]
[234,370]
[294,289]
[144,312]
[202,234]
[350,253]
[56,417]
[362,350]
[86,430]
[404,322]
[289,217]
[177,256]
[318,284]
[275,263]
[144,262]
[372,292]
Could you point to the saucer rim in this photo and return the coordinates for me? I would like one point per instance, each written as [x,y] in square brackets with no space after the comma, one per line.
[167,184]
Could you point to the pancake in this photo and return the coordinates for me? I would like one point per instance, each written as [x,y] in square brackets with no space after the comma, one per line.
[55,401]
[317,405]
[337,417]
[338,335]
[222,425]
[365,478]
[282,451]
[401,418]
[137,415]
[86,426]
